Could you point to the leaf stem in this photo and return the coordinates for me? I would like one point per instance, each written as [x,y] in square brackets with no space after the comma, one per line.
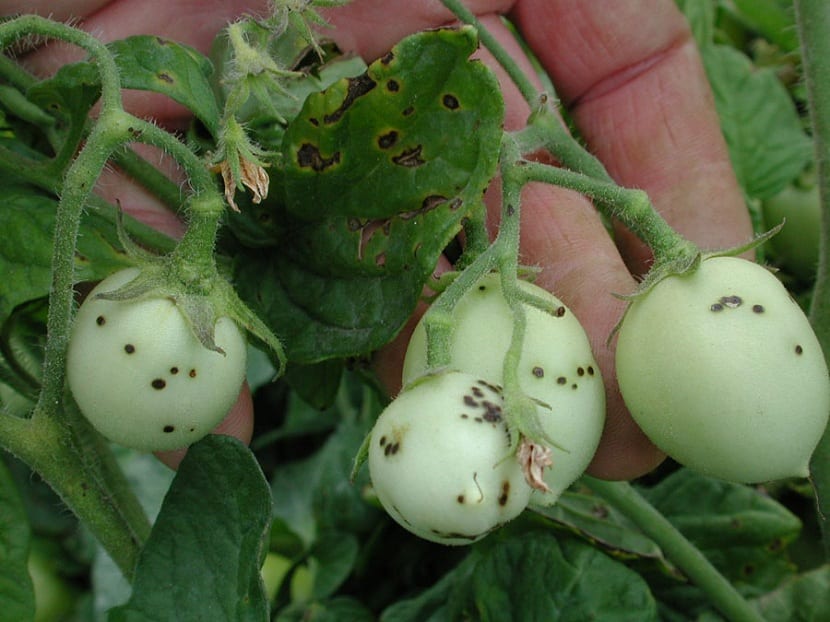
[631,207]
[676,547]
[813,24]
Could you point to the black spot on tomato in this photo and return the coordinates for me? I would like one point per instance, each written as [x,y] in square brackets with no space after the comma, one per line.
[561,380]
[382,441]
[716,307]
[192,373]
[158,384]
[580,371]
[538,372]
[169,428]
[560,311]
[129,348]
[758,308]
[731,301]
[505,493]
[590,370]
[100,320]
[460,498]
[450,102]
[469,401]
[174,370]
[799,350]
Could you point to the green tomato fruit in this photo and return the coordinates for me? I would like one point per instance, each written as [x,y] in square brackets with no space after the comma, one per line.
[141,377]
[556,368]
[440,463]
[722,371]
[796,245]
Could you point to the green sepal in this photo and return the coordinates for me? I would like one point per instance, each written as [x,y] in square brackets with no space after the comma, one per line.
[683,264]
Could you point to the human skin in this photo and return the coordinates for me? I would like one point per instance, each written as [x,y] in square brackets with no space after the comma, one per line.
[632,81]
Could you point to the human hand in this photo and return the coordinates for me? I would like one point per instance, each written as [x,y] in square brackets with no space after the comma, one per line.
[633,83]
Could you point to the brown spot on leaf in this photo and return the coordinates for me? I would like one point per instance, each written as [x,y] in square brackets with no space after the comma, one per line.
[358,87]
[385,141]
[309,156]
[450,101]
[165,77]
[410,158]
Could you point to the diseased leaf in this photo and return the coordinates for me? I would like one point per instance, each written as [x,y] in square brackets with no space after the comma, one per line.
[594,519]
[203,556]
[151,63]
[379,172]
[17,597]
[743,532]
[767,143]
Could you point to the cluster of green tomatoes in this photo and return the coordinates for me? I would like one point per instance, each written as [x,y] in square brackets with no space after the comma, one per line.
[719,367]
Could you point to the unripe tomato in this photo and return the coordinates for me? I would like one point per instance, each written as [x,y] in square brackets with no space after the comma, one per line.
[440,462]
[142,378]
[723,372]
[556,368]
[796,245]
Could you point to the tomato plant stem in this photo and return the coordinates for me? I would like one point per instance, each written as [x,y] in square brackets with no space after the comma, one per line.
[813,23]
[631,207]
[676,547]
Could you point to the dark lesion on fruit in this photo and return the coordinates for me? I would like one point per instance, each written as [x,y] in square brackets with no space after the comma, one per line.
[129,348]
[100,320]
[504,496]
[389,448]
[799,350]
[158,384]
[758,309]
[169,428]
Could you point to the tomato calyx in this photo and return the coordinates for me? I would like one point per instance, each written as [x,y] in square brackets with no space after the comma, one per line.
[686,262]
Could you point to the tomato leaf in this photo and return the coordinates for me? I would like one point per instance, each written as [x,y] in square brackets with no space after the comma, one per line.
[767,143]
[151,63]
[379,172]
[743,532]
[17,599]
[595,520]
[801,598]
[530,574]
[26,256]
[203,556]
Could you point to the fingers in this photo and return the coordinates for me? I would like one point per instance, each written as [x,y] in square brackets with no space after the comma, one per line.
[238,423]
[562,234]
[633,81]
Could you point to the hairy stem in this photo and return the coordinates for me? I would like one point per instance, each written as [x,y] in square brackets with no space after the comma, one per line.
[48,446]
[676,547]
[631,207]
[813,23]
